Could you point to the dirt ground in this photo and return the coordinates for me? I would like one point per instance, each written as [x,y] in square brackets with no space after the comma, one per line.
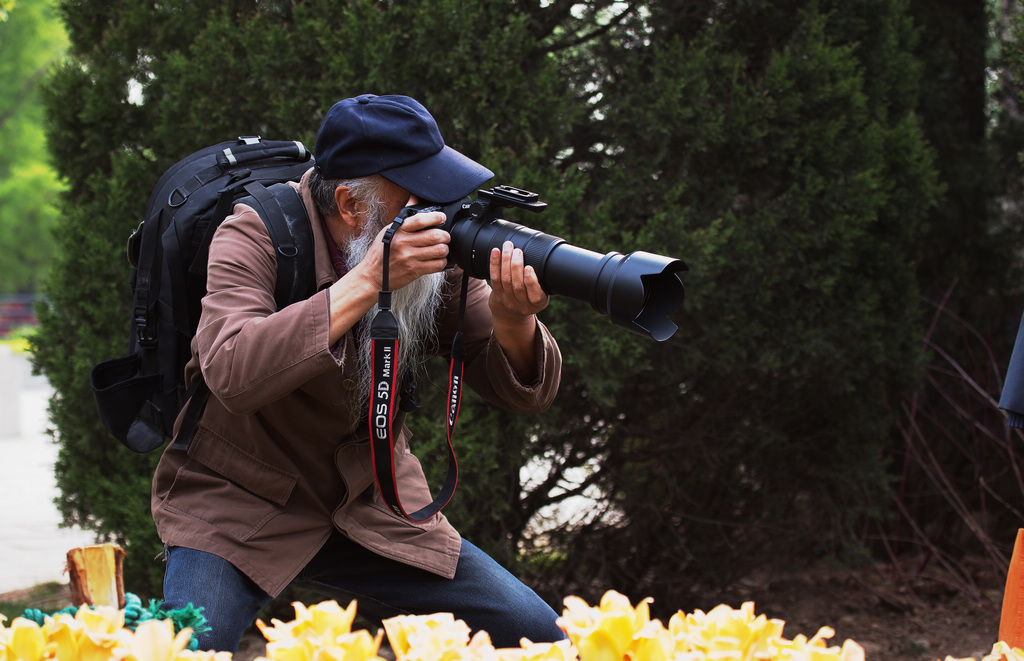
[892,620]
[921,620]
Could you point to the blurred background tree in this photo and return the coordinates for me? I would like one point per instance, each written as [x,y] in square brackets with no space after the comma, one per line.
[32,39]
[827,169]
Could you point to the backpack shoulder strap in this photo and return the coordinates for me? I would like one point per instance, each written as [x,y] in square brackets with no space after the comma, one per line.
[282,211]
[198,395]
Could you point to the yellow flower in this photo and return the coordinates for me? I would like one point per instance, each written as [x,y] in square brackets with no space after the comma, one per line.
[562,650]
[354,646]
[816,649]
[102,630]
[23,641]
[64,632]
[154,640]
[651,643]
[1000,652]
[614,630]
[725,632]
[325,620]
[437,637]
[322,632]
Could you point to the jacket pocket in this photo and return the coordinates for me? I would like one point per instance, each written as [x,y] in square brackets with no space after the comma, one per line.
[354,461]
[411,483]
[228,488]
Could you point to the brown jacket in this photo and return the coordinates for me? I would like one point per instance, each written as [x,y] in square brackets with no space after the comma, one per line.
[279,456]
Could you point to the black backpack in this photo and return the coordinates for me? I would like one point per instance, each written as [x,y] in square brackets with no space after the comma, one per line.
[139,395]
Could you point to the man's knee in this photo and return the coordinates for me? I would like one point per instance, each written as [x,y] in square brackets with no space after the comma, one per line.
[225,597]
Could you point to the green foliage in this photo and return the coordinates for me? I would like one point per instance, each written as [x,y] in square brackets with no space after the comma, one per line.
[778,149]
[31,40]
[795,196]
[49,596]
[484,502]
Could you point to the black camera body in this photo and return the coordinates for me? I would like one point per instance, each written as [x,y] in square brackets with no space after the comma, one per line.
[637,290]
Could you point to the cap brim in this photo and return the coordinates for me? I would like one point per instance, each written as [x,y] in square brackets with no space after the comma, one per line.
[444,177]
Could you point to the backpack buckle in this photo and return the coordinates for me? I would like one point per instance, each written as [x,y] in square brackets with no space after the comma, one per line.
[142,334]
[135,245]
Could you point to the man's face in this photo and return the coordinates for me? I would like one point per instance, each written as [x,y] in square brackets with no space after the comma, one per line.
[374,216]
[414,305]
[397,199]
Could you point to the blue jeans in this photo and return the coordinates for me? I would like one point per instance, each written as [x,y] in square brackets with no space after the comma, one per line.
[483,594]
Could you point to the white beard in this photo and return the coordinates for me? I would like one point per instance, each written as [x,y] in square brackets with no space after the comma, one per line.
[414,306]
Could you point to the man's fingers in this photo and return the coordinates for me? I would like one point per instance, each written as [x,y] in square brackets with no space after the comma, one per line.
[501,269]
[516,275]
[515,282]
[534,292]
[421,221]
[418,248]
[506,268]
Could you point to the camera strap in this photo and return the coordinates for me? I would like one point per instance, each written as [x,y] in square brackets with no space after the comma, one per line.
[384,351]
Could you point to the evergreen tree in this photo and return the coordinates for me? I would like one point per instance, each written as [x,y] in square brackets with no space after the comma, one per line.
[952,451]
[965,242]
[774,148]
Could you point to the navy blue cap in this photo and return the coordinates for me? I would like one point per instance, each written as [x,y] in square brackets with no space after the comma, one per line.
[395,137]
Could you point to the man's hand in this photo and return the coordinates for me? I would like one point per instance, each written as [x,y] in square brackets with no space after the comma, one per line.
[418,248]
[516,298]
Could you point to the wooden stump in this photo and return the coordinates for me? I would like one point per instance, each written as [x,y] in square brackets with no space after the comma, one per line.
[96,578]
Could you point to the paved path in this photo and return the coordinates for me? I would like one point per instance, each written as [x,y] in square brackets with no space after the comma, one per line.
[33,547]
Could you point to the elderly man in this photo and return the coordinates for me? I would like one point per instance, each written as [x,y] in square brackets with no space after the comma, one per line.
[277,486]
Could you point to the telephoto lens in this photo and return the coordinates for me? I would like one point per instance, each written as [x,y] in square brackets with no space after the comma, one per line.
[637,291]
